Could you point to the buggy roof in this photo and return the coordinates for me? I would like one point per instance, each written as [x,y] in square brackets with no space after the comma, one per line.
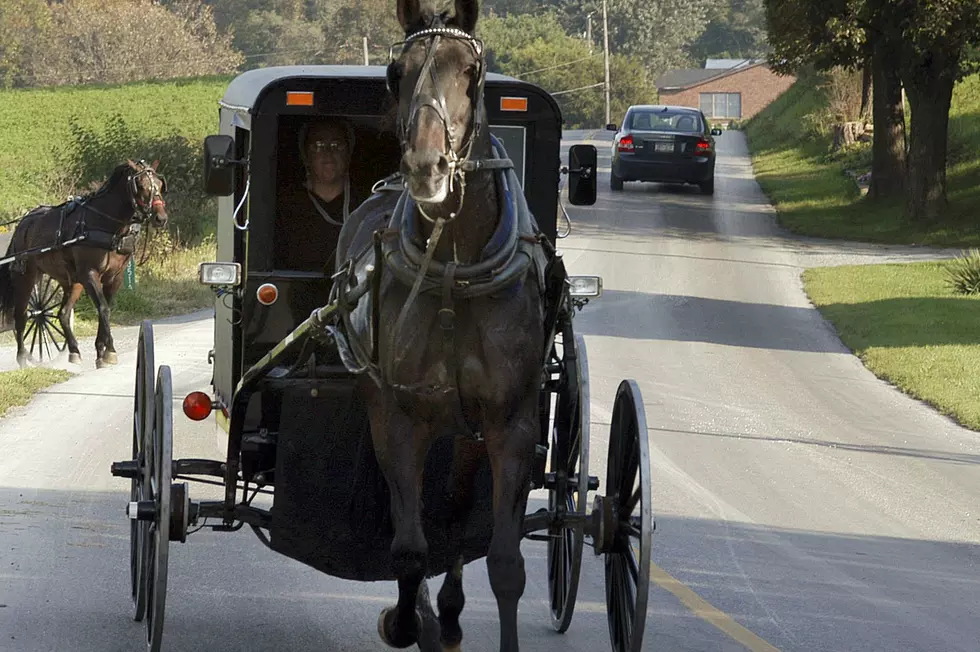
[245,90]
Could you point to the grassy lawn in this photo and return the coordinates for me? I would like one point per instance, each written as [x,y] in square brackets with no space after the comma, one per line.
[908,328]
[17,387]
[814,197]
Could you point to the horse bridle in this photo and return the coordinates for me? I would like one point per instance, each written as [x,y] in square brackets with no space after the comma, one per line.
[457,165]
[141,209]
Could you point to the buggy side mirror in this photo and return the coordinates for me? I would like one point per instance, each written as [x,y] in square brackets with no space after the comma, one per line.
[219,165]
[582,173]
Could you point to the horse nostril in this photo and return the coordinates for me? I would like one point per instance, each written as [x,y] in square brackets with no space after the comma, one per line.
[442,165]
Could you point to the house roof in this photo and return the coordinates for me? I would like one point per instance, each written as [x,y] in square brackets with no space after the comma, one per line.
[682,79]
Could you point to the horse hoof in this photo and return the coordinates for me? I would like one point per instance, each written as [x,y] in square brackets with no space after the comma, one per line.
[393,638]
[110,357]
[75,358]
[100,363]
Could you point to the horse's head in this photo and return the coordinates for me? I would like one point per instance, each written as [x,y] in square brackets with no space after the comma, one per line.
[437,79]
[146,188]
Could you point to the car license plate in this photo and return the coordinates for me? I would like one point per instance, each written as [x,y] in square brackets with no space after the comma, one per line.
[663,147]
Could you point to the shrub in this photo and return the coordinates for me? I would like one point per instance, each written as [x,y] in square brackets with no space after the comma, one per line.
[963,273]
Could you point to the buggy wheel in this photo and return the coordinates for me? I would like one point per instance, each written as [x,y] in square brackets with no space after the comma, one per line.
[43,327]
[570,465]
[143,420]
[626,513]
[160,461]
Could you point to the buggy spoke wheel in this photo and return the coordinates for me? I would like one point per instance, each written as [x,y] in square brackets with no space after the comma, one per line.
[627,560]
[143,419]
[569,461]
[43,307]
[157,550]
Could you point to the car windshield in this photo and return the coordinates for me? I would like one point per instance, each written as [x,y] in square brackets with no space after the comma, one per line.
[664,121]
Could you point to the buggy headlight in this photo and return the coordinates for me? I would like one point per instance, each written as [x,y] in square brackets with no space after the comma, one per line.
[219,273]
[585,286]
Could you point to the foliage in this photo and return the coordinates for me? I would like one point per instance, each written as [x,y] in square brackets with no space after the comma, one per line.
[736,29]
[116,41]
[537,49]
[33,151]
[20,21]
[963,273]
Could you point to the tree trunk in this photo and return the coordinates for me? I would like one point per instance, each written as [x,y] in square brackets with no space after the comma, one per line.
[930,94]
[867,74]
[888,164]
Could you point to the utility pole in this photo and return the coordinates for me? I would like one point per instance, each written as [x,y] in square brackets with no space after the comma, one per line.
[605,38]
[367,62]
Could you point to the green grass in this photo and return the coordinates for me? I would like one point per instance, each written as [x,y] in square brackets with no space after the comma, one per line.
[19,386]
[906,325]
[814,197]
[35,125]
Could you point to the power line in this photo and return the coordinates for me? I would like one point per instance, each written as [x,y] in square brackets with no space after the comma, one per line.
[580,88]
[560,65]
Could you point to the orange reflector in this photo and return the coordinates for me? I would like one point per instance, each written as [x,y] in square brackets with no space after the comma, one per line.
[197,406]
[267,294]
[513,104]
[299,98]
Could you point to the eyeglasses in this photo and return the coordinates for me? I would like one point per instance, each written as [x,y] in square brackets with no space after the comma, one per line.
[333,146]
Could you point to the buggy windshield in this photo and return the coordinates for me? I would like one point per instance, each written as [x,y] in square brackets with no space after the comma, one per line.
[684,122]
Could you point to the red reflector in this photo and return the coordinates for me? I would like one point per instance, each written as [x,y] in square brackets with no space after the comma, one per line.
[197,406]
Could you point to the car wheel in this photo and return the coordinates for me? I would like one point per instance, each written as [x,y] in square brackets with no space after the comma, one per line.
[708,187]
[615,183]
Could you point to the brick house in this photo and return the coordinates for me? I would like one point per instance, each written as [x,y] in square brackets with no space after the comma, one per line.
[724,90]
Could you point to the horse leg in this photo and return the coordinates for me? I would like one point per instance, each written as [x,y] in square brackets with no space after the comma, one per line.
[511,448]
[23,286]
[109,289]
[466,461]
[401,448]
[72,294]
[93,287]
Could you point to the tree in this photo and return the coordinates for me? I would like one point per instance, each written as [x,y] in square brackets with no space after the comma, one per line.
[828,33]
[736,29]
[20,23]
[118,41]
[931,43]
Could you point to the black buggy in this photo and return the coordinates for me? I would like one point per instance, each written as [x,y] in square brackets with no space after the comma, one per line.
[298,433]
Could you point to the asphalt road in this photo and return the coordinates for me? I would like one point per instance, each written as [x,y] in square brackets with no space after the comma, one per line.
[801,503]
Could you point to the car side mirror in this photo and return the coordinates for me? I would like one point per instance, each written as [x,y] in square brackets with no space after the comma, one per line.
[612,127]
[716,131]
[582,173]
[219,165]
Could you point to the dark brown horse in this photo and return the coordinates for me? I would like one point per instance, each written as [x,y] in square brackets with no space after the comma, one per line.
[459,323]
[83,244]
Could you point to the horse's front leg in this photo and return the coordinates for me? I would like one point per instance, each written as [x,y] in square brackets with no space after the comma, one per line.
[511,449]
[93,287]
[401,447]
[467,456]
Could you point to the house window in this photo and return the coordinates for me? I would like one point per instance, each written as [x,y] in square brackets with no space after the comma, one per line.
[721,105]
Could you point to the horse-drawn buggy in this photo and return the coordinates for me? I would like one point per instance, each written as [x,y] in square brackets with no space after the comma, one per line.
[397,405]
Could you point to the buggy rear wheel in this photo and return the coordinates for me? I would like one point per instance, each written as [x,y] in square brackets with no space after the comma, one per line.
[625,521]
[43,327]
[157,551]
[143,420]
[570,466]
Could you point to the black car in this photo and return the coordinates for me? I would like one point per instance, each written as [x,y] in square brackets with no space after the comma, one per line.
[666,144]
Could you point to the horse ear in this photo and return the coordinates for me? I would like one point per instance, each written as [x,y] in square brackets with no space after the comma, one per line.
[155,164]
[409,14]
[132,165]
[467,13]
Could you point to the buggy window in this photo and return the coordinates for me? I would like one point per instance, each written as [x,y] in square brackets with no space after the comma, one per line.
[665,121]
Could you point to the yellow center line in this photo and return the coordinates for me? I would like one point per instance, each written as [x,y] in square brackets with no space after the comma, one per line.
[705,611]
